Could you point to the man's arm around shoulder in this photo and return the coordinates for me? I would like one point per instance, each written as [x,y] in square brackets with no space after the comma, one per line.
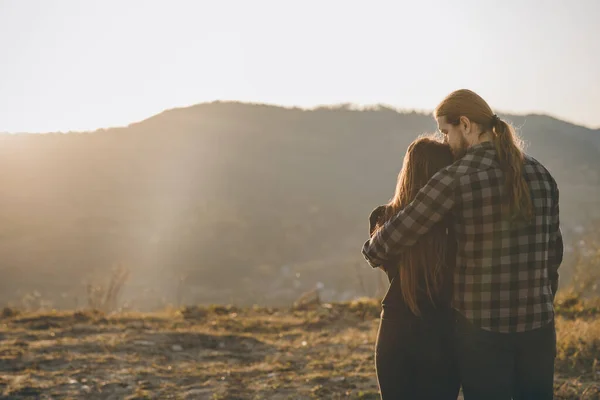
[429,206]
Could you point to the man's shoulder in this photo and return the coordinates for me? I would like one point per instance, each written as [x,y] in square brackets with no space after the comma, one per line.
[528,159]
[468,165]
[534,168]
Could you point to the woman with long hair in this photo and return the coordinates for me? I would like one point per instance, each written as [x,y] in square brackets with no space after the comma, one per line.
[414,352]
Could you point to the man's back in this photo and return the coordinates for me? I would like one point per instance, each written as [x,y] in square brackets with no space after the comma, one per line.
[505,271]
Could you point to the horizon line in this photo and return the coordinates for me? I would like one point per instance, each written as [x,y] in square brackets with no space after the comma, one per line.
[351,106]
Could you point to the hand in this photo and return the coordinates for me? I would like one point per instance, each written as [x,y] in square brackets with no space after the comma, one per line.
[376,214]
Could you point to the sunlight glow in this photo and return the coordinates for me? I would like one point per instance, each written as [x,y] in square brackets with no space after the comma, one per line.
[74,65]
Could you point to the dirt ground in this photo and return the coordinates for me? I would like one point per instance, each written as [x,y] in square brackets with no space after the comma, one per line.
[222,352]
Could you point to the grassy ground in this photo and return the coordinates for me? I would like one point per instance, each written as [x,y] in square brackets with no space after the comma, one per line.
[228,353]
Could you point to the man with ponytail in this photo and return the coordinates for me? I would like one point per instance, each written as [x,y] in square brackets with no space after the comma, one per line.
[505,212]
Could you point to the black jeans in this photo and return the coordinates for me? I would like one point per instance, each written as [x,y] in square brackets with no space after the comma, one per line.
[502,366]
[414,357]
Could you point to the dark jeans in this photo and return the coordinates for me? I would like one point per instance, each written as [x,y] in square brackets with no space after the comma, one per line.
[414,358]
[502,366]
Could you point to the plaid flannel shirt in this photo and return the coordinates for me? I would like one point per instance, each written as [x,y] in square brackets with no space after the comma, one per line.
[506,274]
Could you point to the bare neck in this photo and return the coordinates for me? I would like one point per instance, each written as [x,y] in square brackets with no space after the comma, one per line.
[482,138]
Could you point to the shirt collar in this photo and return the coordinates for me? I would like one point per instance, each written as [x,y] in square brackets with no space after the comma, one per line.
[483,146]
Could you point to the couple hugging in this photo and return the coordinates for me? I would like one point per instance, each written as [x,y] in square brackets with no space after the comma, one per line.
[471,245]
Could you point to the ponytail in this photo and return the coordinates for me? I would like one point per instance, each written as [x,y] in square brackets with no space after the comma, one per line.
[517,201]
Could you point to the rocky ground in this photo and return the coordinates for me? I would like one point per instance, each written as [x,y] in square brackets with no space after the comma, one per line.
[222,352]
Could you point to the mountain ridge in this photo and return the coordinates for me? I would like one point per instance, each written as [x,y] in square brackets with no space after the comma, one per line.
[329,107]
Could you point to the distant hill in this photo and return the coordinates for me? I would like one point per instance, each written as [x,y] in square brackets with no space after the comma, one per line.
[232,199]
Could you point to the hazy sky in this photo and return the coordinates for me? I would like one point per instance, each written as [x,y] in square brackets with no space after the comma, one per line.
[83,64]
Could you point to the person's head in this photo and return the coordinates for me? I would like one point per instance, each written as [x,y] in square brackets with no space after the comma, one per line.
[425,156]
[465,119]
[425,260]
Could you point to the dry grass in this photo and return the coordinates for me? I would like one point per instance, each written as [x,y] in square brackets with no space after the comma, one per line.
[578,357]
[106,298]
[223,352]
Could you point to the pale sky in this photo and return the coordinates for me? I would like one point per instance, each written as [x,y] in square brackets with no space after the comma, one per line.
[84,64]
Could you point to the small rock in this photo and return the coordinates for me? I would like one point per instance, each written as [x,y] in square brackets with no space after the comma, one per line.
[177,347]
[144,343]
[195,393]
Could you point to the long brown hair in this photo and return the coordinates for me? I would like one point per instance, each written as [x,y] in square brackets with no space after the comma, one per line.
[509,147]
[424,262]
